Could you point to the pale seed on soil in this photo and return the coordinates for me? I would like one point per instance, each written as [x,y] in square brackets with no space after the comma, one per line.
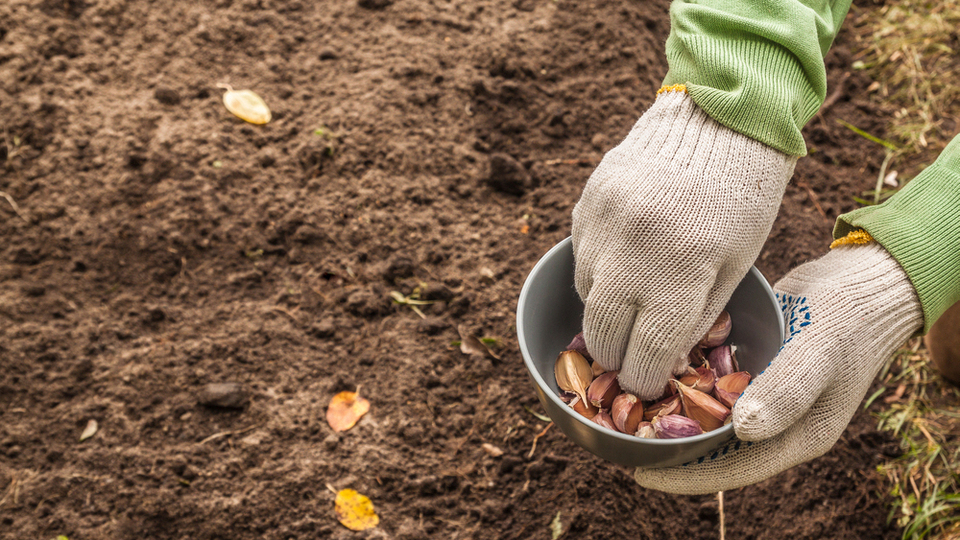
[246,105]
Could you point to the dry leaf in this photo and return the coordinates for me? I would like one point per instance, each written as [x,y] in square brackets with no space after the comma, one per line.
[345,410]
[355,511]
[491,449]
[897,395]
[246,105]
[470,344]
[89,431]
[556,527]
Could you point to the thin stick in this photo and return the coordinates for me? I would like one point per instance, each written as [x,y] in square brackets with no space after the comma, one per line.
[723,531]
[13,203]
[537,438]
[222,434]
[883,173]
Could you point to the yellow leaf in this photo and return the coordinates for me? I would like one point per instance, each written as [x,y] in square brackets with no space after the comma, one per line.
[355,511]
[345,409]
[246,105]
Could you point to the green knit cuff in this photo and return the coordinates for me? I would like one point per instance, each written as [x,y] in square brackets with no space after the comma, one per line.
[753,87]
[920,227]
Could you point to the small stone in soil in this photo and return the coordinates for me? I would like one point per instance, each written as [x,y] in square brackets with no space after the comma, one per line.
[507,175]
[224,395]
[374,4]
[167,96]
[323,329]
[433,325]
[331,442]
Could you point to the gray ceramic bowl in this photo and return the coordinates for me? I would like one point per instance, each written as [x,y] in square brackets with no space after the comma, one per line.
[549,315]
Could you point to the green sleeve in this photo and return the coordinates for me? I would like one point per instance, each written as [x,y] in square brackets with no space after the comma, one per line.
[755,66]
[920,227]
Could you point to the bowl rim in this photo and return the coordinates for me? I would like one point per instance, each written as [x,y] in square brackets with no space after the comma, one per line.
[542,384]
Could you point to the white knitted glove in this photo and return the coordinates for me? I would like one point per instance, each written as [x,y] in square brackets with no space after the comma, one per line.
[667,226]
[846,313]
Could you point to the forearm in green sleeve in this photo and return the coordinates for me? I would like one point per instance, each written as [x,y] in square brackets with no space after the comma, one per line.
[755,66]
[920,227]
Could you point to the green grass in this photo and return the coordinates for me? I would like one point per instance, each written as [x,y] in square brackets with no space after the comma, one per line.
[908,48]
[925,480]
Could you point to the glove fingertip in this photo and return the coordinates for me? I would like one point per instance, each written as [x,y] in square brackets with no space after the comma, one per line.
[755,420]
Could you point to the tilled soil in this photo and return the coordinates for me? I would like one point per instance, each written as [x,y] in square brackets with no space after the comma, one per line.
[161,244]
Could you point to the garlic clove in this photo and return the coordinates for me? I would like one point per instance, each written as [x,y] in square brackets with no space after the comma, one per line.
[727,399]
[703,408]
[696,356]
[729,388]
[627,412]
[597,369]
[705,381]
[567,397]
[718,332]
[603,419]
[723,360]
[604,389]
[646,431]
[670,405]
[580,345]
[674,426]
[734,382]
[573,373]
[584,408]
[690,377]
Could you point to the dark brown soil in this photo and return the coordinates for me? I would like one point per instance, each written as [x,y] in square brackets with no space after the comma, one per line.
[162,244]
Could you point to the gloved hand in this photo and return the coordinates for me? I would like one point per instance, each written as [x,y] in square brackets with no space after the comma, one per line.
[846,313]
[666,227]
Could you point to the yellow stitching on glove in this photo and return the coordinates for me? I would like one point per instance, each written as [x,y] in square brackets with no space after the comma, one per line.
[856,237]
[673,88]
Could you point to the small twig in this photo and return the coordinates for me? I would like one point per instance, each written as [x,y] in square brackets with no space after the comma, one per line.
[578,161]
[332,489]
[464,441]
[10,489]
[880,177]
[835,96]
[723,531]
[13,203]
[293,317]
[222,434]
[537,438]
[813,198]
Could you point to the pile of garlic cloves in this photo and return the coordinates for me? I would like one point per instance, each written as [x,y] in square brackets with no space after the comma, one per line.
[695,402]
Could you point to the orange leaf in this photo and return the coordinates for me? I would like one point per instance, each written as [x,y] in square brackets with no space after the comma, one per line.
[355,511]
[345,409]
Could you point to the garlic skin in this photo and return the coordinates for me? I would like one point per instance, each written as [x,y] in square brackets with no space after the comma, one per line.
[646,431]
[719,332]
[573,373]
[701,407]
[603,390]
[674,426]
[627,412]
